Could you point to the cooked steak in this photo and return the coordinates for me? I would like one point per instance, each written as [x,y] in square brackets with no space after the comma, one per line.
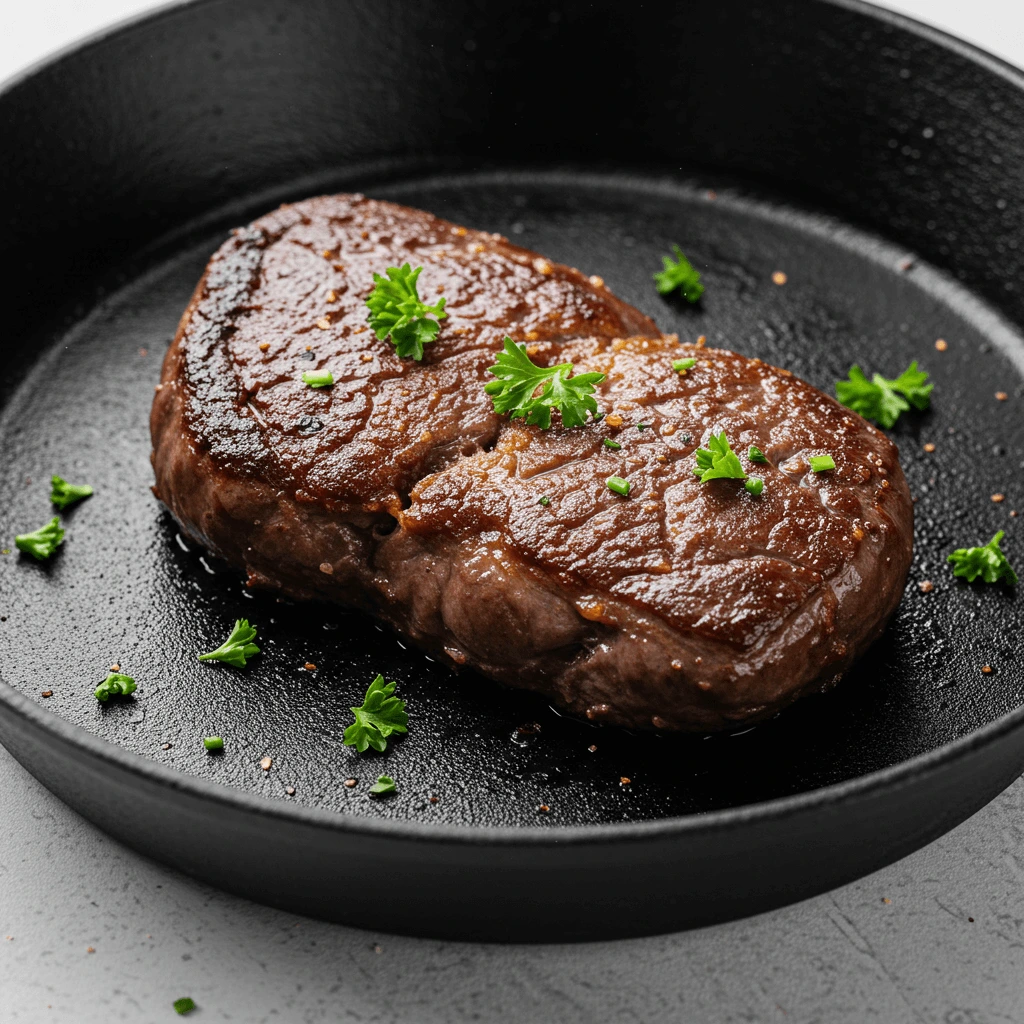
[685,605]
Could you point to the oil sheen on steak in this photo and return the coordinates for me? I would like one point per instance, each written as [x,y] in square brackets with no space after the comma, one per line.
[398,490]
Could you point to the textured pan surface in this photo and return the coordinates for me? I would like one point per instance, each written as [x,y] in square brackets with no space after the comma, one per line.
[125,588]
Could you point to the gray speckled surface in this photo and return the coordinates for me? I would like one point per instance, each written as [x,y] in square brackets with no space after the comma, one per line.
[841,958]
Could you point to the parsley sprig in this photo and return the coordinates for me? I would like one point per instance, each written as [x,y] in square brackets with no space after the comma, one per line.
[515,390]
[384,784]
[396,309]
[678,273]
[63,494]
[988,562]
[884,400]
[381,715]
[115,685]
[237,648]
[41,543]
[719,462]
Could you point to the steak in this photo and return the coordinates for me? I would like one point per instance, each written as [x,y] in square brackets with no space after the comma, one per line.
[684,606]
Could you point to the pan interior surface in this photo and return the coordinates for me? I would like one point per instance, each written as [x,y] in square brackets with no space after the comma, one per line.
[127,589]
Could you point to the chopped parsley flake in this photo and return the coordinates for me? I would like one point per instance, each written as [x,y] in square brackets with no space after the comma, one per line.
[213,742]
[381,715]
[184,1005]
[384,784]
[397,310]
[238,647]
[41,543]
[609,443]
[545,501]
[682,365]
[115,685]
[678,274]
[719,462]
[64,494]
[754,485]
[988,562]
[822,463]
[881,399]
[754,454]
[318,379]
[618,485]
[519,378]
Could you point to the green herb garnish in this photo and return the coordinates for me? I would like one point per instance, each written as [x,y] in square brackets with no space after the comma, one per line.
[881,399]
[642,426]
[618,485]
[519,378]
[237,648]
[115,685]
[678,273]
[682,365]
[614,445]
[754,454]
[754,485]
[384,784]
[184,1005]
[41,543]
[396,309]
[318,379]
[63,494]
[822,463]
[213,742]
[718,461]
[988,562]
[545,501]
[380,716]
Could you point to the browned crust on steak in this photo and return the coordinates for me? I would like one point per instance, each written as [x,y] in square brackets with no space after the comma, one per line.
[685,606]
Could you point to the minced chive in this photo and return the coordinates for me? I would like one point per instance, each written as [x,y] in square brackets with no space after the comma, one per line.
[642,426]
[184,1005]
[821,463]
[682,365]
[213,742]
[618,485]
[319,379]
[545,501]
[754,454]
[609,443]
[754,485]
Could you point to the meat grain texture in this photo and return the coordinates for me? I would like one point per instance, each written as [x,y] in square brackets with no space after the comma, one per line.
[685,606]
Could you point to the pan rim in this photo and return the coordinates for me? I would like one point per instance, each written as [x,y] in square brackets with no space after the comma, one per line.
[911,771]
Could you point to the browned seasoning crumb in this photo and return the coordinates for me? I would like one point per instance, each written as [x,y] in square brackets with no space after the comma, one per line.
[115,667]
[309,348]
[309,666]
[987,669]
[332,296]
[47,693]
[143,352]
[592,748]
[597,281]
[701,341]
[712,195]
[350,783]
[10,938]
[364,235]
[971,919]
[290,790]
[1013,512]
[541,265]
[624,780]
[378,949]
[905,264]
[326,568]
[266,763]
[929,447]
[365,357]
[324,323]
[90,949]
[997,498]
[264,345]
[327,253]
[779,277]
[433,799]
[528,729]
[885,899]
[1001,396]
[940,345]
[543,808]
[613,419]
[165,746]
[926,586]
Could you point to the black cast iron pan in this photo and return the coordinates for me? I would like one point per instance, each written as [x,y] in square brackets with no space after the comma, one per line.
[875,163]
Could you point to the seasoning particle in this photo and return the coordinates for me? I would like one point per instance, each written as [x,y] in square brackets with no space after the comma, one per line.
[613,419]
[326,568]
[597,281]
[701,341]
[779,277]
[624,780]
[987,669]
[929,447]
[592,748]
[349,783]
[290,790]
[324,323]
[1001,396]
[433,799]
[47,693]
[941,346]
[90,949]
[264,345]
[926,586]
[267,763]
[332,296]
[165,746]
[309,666]
[885,899]
[997,498]
[543,809]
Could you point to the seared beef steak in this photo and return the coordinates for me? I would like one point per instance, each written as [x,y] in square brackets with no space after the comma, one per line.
[398,490]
